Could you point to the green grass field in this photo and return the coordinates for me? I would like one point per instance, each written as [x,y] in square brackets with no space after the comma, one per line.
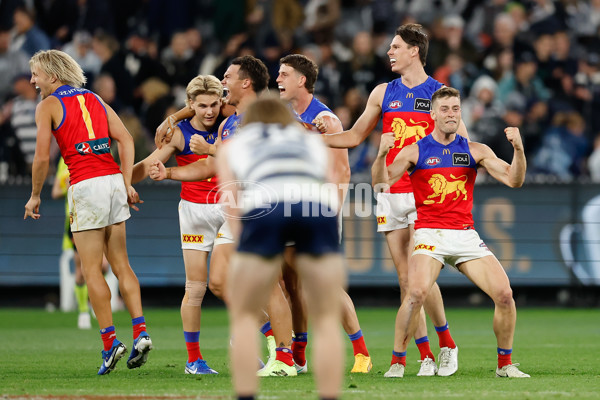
[44,356]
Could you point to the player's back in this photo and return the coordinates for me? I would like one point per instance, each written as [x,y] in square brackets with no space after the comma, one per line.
[287,161]
[83,135]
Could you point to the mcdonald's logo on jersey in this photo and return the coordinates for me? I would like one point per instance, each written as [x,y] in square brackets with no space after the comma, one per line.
[192,238]
[410,95]
[446,152]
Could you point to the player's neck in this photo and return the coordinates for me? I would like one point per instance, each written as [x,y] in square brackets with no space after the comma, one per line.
[301,103]
[245,101]
[443,138]
[414,76]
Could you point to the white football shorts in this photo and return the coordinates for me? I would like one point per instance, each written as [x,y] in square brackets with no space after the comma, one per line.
[450,246]
[199,225]
[395,211]
[97,202]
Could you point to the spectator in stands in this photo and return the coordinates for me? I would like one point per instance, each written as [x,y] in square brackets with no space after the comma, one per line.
[593,163]
[587,89]
[564,147]
[22,118]
[26,35]
[57,18]
[107,47]
[12,63]
[80,48]
[181,63]
[453,42]
[365,70]
[481,108]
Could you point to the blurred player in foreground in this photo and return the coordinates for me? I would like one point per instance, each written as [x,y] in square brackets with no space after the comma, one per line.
[442,168]
[83,126]
[276,158]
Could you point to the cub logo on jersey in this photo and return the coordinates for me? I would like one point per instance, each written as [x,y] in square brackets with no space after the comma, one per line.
[395,104]
[422,104]
[403,131]
[431,161]
[442,187]
[462,159]
[99,146]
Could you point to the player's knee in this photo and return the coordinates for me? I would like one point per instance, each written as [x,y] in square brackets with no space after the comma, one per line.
[417,295]
[195,292]
[217,287]
[504,297]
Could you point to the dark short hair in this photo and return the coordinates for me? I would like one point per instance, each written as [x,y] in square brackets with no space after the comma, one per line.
[414,35]
[445,92]
[254,69]
[305,66]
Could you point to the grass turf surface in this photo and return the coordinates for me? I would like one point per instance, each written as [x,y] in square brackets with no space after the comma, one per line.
[44,355]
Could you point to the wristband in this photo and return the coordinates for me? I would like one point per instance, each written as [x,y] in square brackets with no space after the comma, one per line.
[168,173]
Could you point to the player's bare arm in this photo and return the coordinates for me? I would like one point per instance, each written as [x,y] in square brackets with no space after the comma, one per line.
[165,130]
[142,168]
[363,126]
[126,148]
[383,178]
[196,171]
[44,120]
[513,174]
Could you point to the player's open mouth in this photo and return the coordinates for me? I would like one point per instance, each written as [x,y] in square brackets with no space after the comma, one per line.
[392,61]
[281,89]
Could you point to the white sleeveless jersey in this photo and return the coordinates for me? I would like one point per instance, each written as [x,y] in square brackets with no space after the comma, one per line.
[274,164]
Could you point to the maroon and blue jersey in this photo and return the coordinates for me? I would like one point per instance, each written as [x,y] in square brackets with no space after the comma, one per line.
[200,191]
[442,182]
[82,135]
[231,125]
[315,109]
[406,113]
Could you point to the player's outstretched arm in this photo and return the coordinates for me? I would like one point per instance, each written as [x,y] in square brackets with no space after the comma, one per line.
[165,130]
[513,174]
[363,126]
[384,177]
[126,148]
[41,159]
[142,168]
[196,171]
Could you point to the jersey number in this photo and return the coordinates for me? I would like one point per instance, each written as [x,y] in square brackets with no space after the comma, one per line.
[86,117]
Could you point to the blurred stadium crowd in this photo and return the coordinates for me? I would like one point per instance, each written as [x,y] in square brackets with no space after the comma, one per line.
[534,64]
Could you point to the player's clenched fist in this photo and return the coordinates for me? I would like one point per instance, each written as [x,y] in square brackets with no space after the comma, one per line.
[199,145]
[387,143]
[514,137]
[157,171]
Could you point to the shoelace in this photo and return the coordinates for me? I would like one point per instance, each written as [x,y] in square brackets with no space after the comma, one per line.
[444,359]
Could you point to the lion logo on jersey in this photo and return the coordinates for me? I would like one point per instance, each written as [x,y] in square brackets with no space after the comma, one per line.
[443,187]
[403,131]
